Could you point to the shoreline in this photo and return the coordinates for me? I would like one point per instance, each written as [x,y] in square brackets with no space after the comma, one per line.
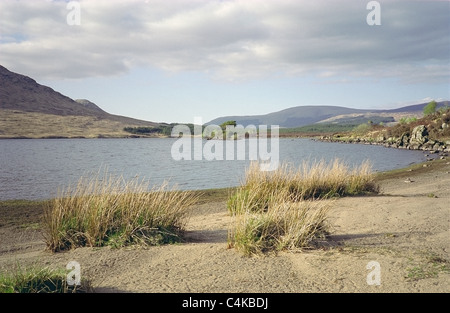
[404,229]
[211,191]
[383,143]
[206,196]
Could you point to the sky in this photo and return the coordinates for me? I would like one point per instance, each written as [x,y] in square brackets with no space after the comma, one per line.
[173,60]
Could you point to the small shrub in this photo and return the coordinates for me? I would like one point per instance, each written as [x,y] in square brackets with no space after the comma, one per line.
[433,121]
[407,120]
[362,129]
[430,108]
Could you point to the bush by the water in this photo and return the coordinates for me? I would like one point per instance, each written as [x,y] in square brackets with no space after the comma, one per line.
[433,121]
[164,130]
[110,211]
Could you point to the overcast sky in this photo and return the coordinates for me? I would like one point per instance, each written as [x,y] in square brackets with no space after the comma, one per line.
[172,60]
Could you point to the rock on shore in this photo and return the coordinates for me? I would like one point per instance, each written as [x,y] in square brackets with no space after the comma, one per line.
[418,140]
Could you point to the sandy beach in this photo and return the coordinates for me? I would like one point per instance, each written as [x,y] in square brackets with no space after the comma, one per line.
[404,230]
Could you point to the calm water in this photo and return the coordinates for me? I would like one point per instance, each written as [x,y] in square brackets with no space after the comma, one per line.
[35,169]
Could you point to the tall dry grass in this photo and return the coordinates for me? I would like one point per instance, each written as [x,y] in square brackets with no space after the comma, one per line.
[286,225]
[312,180]
[108,210]
[277,210]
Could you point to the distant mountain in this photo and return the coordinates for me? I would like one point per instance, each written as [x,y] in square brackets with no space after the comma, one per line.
[292,117]
[307,115]
[90,105]
[19,92]
[29,109]
[415,107]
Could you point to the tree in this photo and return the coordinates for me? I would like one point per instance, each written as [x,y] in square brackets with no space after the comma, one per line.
[430,108]
[361,129]
[224,125]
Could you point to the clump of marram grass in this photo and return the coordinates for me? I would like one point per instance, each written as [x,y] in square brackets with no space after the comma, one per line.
[285,225]
[318,180]
[37,279]
[111,211]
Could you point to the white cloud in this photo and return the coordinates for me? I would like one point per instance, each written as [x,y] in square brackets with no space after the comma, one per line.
[228,39]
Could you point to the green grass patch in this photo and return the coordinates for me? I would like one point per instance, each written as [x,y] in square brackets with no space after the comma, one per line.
[39,280]
[430,267]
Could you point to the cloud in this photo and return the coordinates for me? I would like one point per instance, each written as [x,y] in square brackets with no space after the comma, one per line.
[230,40]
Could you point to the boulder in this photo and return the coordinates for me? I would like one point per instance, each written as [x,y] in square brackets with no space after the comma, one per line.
[405,140]
[419,136]
[437,147]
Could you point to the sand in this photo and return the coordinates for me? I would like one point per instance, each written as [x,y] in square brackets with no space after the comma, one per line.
[404,231]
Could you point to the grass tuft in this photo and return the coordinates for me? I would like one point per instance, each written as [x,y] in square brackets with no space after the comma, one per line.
[317,180]
[276,211]
[286,225]
[107,210]
[39,280]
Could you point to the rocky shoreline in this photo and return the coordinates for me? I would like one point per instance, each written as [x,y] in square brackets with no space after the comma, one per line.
[419,139]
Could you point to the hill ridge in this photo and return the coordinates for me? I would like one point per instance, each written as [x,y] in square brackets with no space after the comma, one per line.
[310,114]
[31,110]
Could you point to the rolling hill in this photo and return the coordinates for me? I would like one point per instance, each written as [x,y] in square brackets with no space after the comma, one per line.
[307,115]
[32,110]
